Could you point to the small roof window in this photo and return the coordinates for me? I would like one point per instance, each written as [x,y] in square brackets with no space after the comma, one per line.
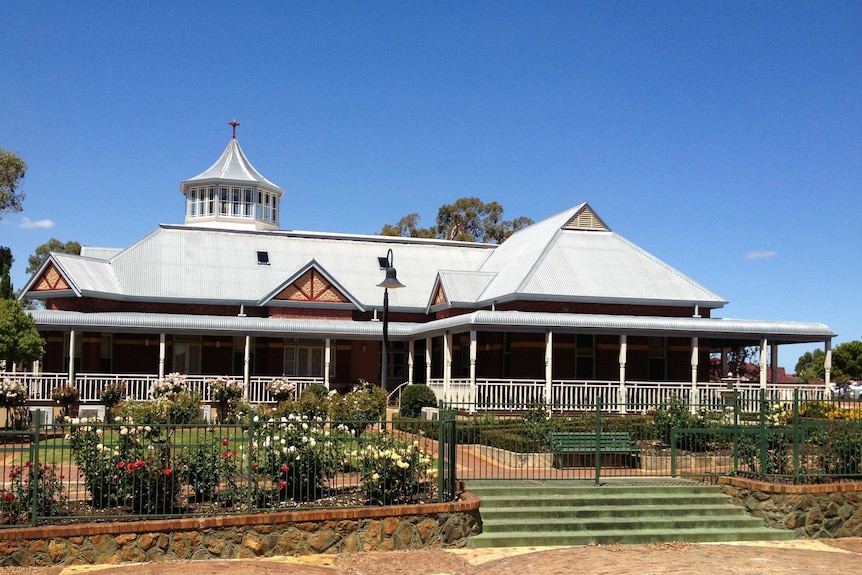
[263,258]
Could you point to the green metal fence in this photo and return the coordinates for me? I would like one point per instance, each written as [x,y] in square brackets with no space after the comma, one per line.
[87,469]
[797,441]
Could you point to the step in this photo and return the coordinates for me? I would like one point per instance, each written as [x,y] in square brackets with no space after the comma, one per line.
[585,511]
[710,535]
[566,525]
[603,498]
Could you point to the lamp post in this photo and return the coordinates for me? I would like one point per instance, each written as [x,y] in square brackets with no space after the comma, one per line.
[390,282]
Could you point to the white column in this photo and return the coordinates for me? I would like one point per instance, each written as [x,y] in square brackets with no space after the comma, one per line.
[473,385]
[411,359]
[827,364]
[327,360]
[246,364]
[621,393]
[695,395]
[71,373]
[428,360]
[773,351]
[162,351]
[763,344]
[549,372]
[447,364]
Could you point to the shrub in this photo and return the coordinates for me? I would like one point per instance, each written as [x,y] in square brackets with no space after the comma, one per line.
[392,471]
[674,414]
[65,395]
[113,393]
[170,386]
[295,455]
[316,389]
[281,389]
[842,449]
[214,470]
[414,397]
[777,455]
[12,393]
[30,481]
[181,408]
[363,406]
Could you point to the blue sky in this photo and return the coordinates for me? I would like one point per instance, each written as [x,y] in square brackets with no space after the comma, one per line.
[722,137]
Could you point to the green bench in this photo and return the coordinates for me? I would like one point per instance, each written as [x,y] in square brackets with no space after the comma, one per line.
[567,445]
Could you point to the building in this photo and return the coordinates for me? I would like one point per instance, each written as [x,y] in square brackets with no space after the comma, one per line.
[565,311]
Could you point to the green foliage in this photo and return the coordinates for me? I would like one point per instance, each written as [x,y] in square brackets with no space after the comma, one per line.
[40,485]
[810,366]
[6,260]
[12,171]
[316,389]
[215,471]
[775,460]
[113,393]
[467,220]
[363,406]
[674,414]
[414,397]
[53,245]
[19,339]
[180,409]
[842,449]
[847,360]
[295,455]
[392,471]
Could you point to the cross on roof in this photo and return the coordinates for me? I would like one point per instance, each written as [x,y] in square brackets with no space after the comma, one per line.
[233,123]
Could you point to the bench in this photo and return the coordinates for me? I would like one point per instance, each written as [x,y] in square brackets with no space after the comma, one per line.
[584,444]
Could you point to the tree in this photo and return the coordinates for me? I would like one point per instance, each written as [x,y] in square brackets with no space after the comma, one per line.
[467,220]
[19,339]
[810,366]
[53,245]
[6,259]
[846,363]
[12,170]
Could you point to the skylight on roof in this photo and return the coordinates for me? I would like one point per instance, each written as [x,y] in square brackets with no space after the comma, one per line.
[263,258]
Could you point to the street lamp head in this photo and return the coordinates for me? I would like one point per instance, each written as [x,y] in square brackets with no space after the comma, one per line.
[391,281]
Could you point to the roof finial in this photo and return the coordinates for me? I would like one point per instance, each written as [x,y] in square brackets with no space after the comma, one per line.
[233,123]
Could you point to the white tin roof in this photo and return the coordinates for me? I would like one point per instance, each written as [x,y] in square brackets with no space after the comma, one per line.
[232,166]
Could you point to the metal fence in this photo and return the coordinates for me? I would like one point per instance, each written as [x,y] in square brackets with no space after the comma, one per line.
[796,441]
[87,470]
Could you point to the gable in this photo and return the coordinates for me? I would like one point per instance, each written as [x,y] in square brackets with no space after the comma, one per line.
[585,219]
[311,286]
[439,296]
[51,280]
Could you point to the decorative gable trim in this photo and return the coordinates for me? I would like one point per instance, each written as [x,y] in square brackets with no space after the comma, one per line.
[51,280]
[586,219]
[439,295]
[309,286]
[312,286]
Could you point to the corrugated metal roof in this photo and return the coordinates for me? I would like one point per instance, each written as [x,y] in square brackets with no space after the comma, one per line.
[586,265]
[179,262]
[99,253]
[88,275]
[232,166]
[464,286]
[776,331]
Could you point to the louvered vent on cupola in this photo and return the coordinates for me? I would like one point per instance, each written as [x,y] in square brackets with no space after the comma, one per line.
[586,219]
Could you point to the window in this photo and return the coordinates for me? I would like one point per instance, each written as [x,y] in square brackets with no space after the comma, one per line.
[235,204]
[304,358]
[106,352]
[223,200]
[247,204]
[396,357]
[275,209]
[657,359]
[78,347]
[263,258]
[193,194]
[211,201]
[187,355]
[585,356]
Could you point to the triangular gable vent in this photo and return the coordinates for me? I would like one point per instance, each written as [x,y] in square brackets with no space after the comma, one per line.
[440,296]
[312,286]
[586,219]
[51,280]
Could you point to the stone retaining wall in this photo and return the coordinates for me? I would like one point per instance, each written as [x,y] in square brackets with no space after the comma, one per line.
[812,511]
[245,536]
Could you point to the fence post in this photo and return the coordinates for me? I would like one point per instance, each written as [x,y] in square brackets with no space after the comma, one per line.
[598,440]
[441,450]
[34,470]
[763,452]
[796,437]
[673,436]
[735,431]
[250,427]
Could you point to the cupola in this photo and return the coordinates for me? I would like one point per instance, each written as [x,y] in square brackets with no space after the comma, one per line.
[232,194]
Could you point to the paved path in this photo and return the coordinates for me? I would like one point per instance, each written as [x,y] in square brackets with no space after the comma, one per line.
[835,557]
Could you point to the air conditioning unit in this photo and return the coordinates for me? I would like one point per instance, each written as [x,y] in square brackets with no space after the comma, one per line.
[92,411]
[431,413]
[46,415]
[206,413]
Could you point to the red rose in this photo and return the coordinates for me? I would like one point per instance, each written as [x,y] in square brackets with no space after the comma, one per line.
[223,441]
[224,454]
[284,468]
[168,472]
[282,484]
[254,466]
[121,464]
